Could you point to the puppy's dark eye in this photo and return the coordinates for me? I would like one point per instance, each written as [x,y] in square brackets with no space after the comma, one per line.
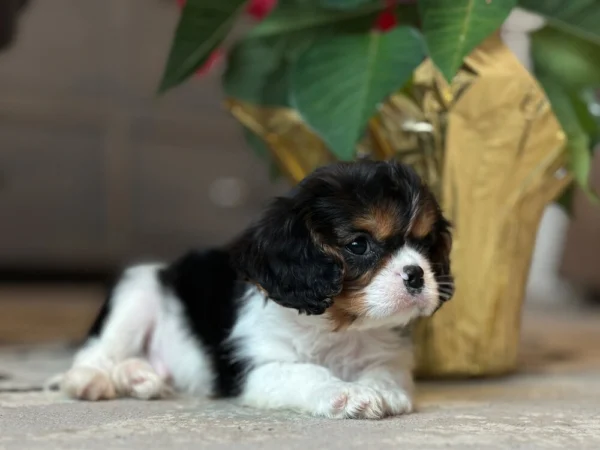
[358,246]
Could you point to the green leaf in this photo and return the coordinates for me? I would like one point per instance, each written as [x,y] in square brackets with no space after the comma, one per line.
[289,17]
[453,28]
[258,68]
[590,124]
[578,142]
[578,17]
[565,200]
[567,67]
[572,61]
[343,4]
[590,121]
[249,65]
[338,82]
[202,27]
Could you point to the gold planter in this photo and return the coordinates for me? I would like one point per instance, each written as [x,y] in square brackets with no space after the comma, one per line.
[494,153]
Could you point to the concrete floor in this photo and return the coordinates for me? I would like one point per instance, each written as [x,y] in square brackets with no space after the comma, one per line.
[554,402]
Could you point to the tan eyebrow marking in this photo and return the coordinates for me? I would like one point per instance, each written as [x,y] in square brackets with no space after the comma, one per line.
[422,221]
[381,221]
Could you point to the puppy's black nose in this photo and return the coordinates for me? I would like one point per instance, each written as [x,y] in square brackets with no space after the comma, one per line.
[413,277]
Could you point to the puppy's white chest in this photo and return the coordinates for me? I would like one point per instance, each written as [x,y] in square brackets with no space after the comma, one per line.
[342,353]
[271,333]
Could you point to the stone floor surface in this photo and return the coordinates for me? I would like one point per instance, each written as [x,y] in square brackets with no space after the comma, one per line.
[553,402]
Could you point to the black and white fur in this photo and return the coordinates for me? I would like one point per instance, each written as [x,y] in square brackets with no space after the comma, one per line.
[255,320]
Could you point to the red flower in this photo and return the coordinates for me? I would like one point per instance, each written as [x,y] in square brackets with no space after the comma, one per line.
[259,9]
[214,59]
[386,21]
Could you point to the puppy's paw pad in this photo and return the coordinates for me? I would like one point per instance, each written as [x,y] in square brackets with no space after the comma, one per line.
[87,383]
[136,378]
[355,402]
[364,403]
[340,402]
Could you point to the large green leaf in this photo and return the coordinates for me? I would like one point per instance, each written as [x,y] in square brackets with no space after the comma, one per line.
[578,17]
[567,66]
[338,82]
[343,4]
[579,146]
[453,28]
[202,27]
[586,102]
[289,17]
[572,61]
[250,64]
[565,200]
[258,68]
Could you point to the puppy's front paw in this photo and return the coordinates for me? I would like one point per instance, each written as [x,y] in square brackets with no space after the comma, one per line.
[88,383]
[136,378]
[351,401]
[396,401]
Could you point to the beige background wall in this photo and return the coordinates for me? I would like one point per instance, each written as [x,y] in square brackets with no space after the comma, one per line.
[94,168]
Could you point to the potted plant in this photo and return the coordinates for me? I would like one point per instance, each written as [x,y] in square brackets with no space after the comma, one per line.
[432,83]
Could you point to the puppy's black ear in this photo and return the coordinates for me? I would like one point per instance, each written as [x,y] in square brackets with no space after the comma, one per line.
[285,258]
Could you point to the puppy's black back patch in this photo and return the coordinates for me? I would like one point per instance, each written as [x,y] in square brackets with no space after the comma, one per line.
[210,293]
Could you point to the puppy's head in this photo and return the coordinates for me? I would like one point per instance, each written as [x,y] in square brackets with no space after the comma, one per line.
[359,241]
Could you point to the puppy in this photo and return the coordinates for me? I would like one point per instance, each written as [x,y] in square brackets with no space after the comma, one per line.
[300,312]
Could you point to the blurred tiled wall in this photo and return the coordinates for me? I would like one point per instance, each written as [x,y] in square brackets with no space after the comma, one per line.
[95,169]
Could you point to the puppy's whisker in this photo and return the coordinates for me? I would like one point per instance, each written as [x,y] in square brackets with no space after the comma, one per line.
[445,293]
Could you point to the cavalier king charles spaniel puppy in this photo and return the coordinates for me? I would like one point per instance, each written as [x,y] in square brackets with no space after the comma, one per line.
[300,312]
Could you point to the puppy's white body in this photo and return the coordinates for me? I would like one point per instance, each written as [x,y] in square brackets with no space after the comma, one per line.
[356,251]
[301,363]
[147,349]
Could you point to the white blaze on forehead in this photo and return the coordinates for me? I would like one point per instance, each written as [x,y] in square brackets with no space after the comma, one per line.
[415,209]
[407,256]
